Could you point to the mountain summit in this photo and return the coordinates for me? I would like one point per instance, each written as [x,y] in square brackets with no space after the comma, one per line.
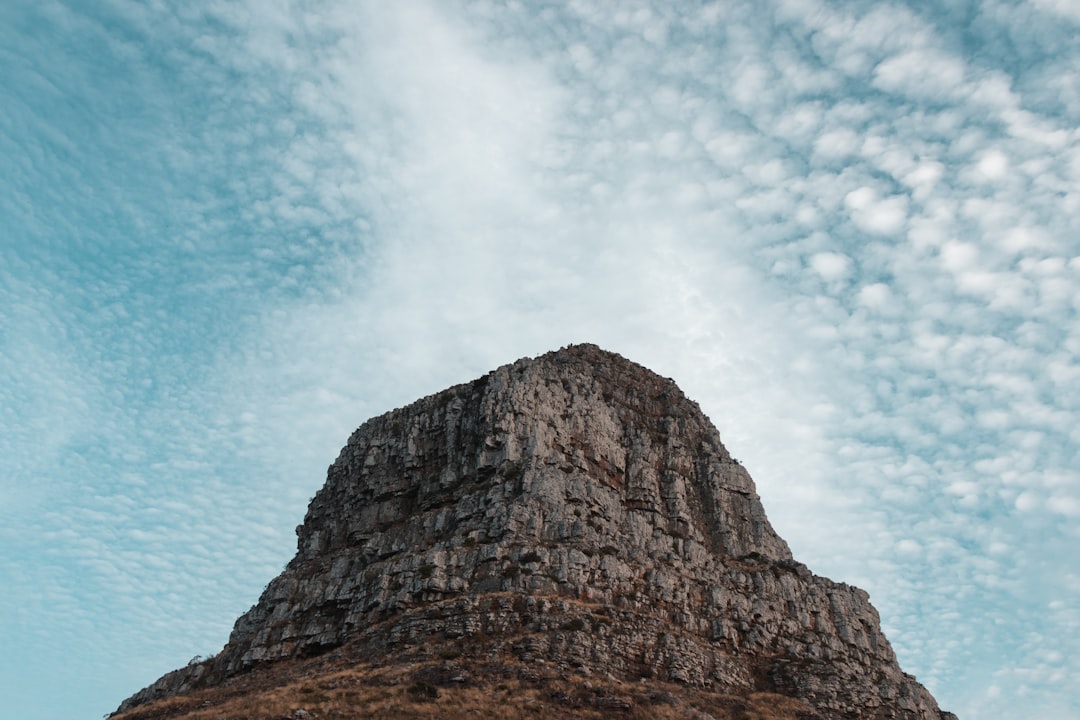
[565,517]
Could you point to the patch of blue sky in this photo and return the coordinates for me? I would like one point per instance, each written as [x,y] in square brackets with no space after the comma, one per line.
[126,277]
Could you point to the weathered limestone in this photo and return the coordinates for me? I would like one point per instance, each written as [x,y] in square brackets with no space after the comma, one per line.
[577,508]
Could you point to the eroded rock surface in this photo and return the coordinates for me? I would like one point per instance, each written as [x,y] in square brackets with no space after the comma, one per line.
[575,508]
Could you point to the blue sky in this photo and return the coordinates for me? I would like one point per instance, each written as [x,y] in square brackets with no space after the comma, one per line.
[230,232]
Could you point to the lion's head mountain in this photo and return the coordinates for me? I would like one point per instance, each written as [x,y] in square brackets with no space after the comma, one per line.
[566,536]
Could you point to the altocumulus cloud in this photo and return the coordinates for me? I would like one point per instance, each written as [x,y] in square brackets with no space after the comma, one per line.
[234,231]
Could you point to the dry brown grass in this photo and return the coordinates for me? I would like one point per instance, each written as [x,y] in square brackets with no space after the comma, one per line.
[458,690]
[470,678]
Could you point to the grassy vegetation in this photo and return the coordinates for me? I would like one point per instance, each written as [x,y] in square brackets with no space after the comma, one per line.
[461,678]
[457,691]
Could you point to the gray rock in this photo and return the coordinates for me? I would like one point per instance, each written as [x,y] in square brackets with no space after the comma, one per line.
[577,509]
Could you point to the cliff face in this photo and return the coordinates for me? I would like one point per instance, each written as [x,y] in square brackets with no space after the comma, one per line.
[575,508]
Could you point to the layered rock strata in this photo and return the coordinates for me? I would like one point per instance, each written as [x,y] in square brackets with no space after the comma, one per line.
[575,508]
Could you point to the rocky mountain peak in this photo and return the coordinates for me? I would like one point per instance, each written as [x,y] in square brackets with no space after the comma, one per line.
[523,506]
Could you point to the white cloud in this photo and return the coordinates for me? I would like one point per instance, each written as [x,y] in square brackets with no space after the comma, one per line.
[922,73]
[880,216]
[993,165]
[831,266]
[959,256]
[876,296]
[837,144]
[923,177]
[1067,505]
[1064,9]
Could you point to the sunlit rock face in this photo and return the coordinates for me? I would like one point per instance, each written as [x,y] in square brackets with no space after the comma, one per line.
[578,509]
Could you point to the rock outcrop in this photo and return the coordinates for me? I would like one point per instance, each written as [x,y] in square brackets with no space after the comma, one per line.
[575,508]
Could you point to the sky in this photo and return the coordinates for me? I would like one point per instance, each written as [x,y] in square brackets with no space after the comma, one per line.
[231,231]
